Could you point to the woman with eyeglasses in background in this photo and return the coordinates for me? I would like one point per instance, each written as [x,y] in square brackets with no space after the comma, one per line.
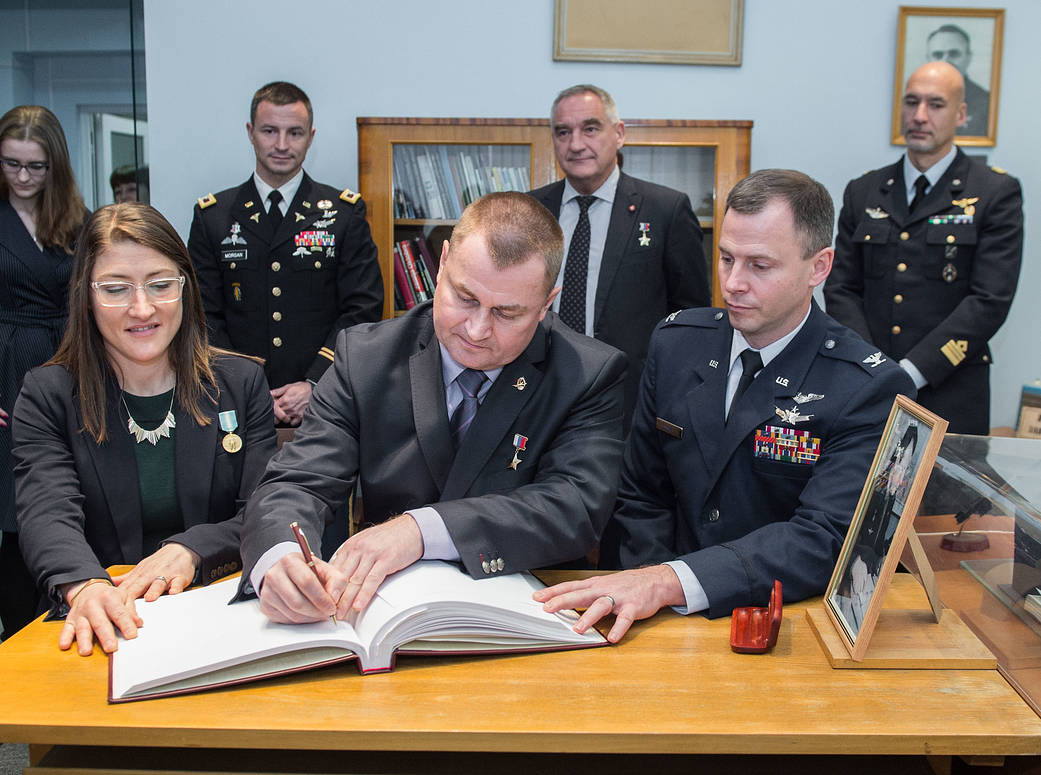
[138,442]
[41,213]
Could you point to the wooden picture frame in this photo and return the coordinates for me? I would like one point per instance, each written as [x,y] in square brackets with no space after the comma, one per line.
[892,491]
[971,40]
[690,32]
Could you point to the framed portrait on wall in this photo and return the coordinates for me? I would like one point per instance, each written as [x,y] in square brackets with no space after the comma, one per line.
[968,38]
[883,519]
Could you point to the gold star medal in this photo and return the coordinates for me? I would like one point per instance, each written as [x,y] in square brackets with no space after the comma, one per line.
[231,442]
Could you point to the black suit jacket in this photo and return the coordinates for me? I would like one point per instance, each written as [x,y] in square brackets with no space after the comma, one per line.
[379,415]
[714,494]
[79,502]
[933,286]
[640,284]
[283,296]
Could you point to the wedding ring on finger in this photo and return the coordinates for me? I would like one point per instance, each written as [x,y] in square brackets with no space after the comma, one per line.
[162,579]
[608,597]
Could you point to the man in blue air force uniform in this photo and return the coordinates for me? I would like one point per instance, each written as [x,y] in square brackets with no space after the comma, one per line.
[754,428]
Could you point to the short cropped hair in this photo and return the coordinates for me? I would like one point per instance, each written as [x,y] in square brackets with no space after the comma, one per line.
[516,229]
[956,30]
[587,88]
[128,173]
[813,212]
[280,93]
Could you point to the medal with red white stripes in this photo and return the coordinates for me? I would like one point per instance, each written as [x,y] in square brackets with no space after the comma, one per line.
[520,443]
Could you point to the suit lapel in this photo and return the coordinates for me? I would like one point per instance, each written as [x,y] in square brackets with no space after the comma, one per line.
[248,212]
[625,212]
[497,413]
[194,449]
[893,195]
[780,379]
[705,402]
[115,466]
[551,198]
[429,412]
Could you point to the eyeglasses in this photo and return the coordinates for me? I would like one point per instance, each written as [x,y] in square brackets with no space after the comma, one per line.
[35,168]
[117,293]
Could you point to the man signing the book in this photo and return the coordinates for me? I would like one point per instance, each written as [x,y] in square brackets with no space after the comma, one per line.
[482,431]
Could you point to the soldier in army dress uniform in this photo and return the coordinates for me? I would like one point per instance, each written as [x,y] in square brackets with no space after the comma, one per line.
[929,277]
[284,262]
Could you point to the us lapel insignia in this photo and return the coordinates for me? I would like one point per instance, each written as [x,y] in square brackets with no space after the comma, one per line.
[520,443]
[645,238]
[791,415]
[782,381]
[805,398]
[521,383]
[876,212]
[714,363]
[875,359]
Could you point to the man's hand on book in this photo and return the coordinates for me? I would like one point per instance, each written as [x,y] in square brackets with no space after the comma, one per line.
[170,569]
[368,557]
[96,606]
[293,593]
[629,595]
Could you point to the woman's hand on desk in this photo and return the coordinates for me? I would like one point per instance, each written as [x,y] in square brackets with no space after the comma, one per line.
[629,595]
[97,609]
[170,569]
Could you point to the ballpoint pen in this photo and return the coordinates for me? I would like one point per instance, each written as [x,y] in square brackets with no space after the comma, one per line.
[305,549]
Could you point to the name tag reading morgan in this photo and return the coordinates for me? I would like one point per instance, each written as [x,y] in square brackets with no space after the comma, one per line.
[234,255]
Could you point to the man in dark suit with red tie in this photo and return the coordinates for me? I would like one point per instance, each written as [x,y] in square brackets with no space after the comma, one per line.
[633,249]
[284,262]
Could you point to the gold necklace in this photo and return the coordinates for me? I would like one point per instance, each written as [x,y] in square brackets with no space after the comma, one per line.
[152,436]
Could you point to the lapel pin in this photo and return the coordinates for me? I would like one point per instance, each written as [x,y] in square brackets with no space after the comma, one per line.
[875,359]
[324,204]
[231,442]
[714,363]
[255,217]
[632,208]
[876,212]
[298,217]
[520,443]
[645,238]
[248,204]
[521,383]
[791,415]
[805,398]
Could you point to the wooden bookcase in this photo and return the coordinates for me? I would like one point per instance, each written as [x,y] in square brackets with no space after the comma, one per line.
[703,158]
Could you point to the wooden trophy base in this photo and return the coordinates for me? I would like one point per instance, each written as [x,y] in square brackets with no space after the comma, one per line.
[965,542]
[907,640]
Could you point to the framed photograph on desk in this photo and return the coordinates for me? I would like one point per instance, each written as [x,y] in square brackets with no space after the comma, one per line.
[968,38]
[882,521]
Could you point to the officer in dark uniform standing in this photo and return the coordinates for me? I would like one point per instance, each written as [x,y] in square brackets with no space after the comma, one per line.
[928,253]
[284,262]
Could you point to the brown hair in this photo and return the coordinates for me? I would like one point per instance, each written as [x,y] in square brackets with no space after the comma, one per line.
[516,228]
[60,211]
[280,93]
[813,212]
[82,350]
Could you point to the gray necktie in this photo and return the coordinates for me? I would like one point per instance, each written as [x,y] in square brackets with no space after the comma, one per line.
[470,382]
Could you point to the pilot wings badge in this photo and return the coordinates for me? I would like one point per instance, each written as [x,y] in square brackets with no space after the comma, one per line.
[875,359]
[791,415]
[805,398]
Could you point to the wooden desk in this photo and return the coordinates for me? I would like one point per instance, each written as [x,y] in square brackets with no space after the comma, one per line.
[672,687]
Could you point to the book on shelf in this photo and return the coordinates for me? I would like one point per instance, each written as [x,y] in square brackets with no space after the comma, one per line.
[431,257]
[402,286]
[196,640]
[408,259]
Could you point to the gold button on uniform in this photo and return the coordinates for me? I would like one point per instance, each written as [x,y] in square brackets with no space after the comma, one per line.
[276,291]
[276,316]
[901,267]
[867,238]
[905,236]
[277,341]
[317,264]
[275,266]
[895,329]
[898,299]
[950,238]
[232,265]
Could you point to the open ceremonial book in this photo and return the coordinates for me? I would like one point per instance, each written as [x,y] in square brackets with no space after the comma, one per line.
[196,640]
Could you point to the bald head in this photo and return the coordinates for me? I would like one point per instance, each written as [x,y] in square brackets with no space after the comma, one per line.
[933,109]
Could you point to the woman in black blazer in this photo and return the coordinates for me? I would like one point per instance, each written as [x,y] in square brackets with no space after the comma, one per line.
[138,442]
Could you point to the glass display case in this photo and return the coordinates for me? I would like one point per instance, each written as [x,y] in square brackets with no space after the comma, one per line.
[980,524]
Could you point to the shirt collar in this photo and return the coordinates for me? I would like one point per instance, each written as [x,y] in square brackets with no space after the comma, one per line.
[287,189]
[772,350]
[933,174]
[605,192]
[450,368]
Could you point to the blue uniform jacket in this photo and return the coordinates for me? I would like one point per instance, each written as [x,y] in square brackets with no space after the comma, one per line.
[723,497]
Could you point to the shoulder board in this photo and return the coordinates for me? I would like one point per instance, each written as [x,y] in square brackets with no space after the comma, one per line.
[999,170]
[206,201]
[695,316]
[350,197]
[855,350]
